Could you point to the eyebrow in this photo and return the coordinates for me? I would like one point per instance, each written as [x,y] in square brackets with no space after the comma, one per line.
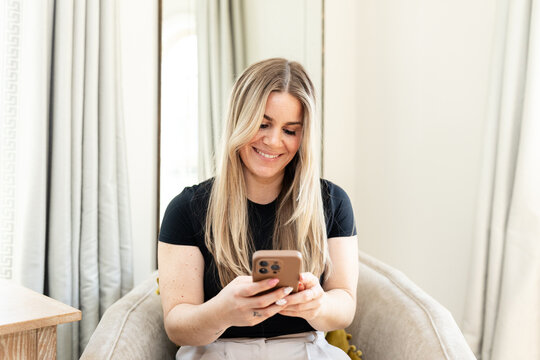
[289,123]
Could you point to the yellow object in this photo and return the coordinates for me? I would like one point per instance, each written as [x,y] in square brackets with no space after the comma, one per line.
[157,290]
[340,339]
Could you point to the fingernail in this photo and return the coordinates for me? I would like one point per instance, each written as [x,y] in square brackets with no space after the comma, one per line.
[281,302]
[288,290]
[273,282]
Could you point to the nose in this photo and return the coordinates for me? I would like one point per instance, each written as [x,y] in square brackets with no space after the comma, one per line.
[272,138]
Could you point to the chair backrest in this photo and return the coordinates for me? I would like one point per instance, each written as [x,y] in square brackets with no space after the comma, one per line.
[132,328]
[395,319]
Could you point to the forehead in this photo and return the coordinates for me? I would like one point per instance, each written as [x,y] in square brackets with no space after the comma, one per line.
[284,108]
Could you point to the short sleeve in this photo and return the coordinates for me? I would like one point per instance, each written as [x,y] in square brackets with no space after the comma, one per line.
[338,211]
[177,226]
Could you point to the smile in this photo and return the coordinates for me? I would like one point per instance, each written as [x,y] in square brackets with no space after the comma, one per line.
[265,155]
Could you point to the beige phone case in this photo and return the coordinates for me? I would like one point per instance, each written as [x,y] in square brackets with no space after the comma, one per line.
[282,264]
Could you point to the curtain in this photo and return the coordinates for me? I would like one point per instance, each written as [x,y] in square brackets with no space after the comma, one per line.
[502,317]
[69,226]
[221,59]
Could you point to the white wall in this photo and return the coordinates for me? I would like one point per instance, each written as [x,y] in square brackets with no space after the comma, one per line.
[139,29]
[406,87]
[285,28]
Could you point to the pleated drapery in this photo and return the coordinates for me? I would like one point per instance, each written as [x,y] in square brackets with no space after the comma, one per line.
[221,58]
[89,249]
[502,315]
[71,224]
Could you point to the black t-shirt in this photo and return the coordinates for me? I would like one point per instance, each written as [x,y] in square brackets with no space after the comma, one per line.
[184,223]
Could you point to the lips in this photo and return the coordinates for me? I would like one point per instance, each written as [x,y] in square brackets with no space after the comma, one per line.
[265,155]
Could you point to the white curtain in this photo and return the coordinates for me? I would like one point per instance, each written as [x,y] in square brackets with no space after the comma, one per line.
[502,319]
[221,59]
[69,226]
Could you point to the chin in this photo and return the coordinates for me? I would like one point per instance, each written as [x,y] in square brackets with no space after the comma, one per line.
[267,176]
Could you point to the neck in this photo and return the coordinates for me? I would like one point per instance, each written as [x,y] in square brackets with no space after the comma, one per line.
[263,191]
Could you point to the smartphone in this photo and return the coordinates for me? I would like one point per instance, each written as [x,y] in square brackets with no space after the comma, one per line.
[282,264]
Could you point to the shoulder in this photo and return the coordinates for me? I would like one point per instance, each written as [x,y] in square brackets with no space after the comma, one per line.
[333,192]
[184,217]
[192,202]
[192,196]
[338,211]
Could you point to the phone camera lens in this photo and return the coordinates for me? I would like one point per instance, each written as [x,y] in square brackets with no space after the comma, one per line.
[263,263]
[263,270]
[274,267]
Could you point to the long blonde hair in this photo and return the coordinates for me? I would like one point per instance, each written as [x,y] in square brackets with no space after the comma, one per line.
[300,223]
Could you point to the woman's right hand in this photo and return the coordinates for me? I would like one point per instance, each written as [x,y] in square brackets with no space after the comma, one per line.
[241,305]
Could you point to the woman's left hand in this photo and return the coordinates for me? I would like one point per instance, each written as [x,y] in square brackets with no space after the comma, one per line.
[307,302]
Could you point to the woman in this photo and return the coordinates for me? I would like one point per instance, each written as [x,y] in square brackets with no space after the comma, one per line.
[267,195]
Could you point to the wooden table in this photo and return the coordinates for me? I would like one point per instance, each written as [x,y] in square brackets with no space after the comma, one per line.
[28,322]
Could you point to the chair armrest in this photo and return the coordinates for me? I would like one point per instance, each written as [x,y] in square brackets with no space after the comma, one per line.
[132,328]
[395,319]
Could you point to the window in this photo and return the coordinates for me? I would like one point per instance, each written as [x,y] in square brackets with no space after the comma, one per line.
[179,123]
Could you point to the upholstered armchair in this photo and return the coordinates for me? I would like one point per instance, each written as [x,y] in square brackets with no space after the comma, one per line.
[395,319]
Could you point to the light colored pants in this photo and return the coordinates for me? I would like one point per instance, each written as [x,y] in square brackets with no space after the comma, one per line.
[304,346]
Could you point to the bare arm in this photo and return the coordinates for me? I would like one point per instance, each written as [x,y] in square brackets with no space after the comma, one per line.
[191,321]
[187,319]
[332,306]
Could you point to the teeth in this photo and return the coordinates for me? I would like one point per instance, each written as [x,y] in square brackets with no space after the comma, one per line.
[266,155]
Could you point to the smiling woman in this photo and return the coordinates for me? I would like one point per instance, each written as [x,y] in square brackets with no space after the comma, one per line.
[267,194]
[273,147]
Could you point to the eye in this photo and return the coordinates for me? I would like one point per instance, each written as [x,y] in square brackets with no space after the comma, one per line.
[264,126]
[289,132]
